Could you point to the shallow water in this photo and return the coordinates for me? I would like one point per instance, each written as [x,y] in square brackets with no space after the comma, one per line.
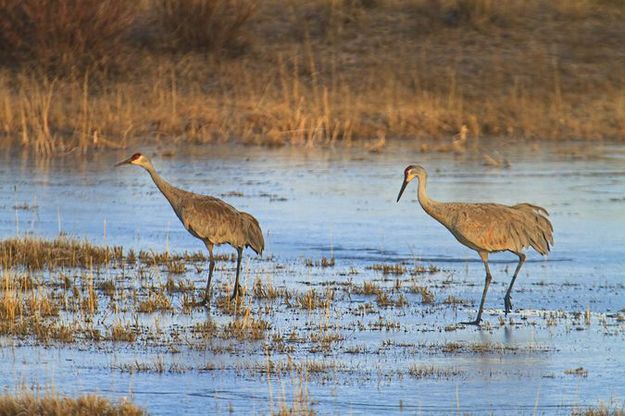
[341,203]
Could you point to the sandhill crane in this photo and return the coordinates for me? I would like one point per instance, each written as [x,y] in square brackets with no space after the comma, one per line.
[208,218]
[488,228]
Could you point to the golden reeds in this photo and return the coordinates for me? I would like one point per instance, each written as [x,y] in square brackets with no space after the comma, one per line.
[29,404]
[318,73]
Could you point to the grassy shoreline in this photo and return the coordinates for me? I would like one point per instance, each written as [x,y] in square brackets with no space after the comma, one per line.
[327,71]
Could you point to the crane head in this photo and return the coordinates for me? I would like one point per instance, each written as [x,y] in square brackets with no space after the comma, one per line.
[135,159]
[410,173]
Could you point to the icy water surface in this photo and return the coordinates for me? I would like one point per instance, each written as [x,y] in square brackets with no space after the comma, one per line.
[349,337]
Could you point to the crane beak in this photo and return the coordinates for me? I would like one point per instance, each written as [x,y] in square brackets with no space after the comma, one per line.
[403,187]
[124,162]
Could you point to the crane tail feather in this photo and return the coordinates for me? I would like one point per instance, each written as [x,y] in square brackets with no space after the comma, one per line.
[253,233]
[537,230]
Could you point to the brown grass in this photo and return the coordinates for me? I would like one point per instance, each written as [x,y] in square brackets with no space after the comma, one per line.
[156,301]
[35,254]
[122,333]
[427,297]
[323,71]
[29,404]
[397,269]
[601,410]
[204,25]
[425,371]
[64,36]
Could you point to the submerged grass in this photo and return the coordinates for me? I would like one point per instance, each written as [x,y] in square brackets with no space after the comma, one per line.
[601,410]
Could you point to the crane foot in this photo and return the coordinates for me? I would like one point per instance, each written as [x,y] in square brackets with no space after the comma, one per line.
[507,301]
[238,290]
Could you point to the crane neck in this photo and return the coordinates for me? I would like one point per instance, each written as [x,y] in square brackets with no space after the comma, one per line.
[168,190]
[428,205]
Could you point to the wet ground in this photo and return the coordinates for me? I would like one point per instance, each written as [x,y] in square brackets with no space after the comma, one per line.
[374,328]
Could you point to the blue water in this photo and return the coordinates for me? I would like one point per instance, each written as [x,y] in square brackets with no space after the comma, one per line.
[340,202]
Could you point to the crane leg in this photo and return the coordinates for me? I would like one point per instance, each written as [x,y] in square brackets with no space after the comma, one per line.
[237,287]
[507,300]
[211,266]
[489,277]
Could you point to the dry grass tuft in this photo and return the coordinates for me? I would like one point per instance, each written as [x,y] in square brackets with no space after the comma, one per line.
[29,404]
[122,332]
[427,296]
[246,328]
[311,299]
[37,254]
[396,269]
[156,301]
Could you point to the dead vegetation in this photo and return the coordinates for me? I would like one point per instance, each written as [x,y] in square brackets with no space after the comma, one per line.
[324,262]
[386,269]
[51,404]
[309,73]
[62,252]
[427,296]
[601,410]
[425,371]
[33,253]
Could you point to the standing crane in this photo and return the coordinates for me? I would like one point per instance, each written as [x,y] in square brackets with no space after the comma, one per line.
[488,228]
[208,218]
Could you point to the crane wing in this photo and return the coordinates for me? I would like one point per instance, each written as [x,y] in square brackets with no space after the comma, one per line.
[496,227]
[212,219]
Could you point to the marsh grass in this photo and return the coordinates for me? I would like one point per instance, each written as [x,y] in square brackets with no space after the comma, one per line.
[322,72]
[246,328]
[601,410]
[368,288]
[66,252]
[267,291]
[324,262]
[62,252]
[122,332]
[51,404]
[420,371]
[386,269]
[156,301]
[427,296]
[312,299]
[579,371]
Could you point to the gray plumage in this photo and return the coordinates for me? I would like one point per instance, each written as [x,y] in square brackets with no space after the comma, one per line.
[208,218]
[488,228]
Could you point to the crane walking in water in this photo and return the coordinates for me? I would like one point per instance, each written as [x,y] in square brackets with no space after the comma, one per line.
[488,228]
[208,218]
